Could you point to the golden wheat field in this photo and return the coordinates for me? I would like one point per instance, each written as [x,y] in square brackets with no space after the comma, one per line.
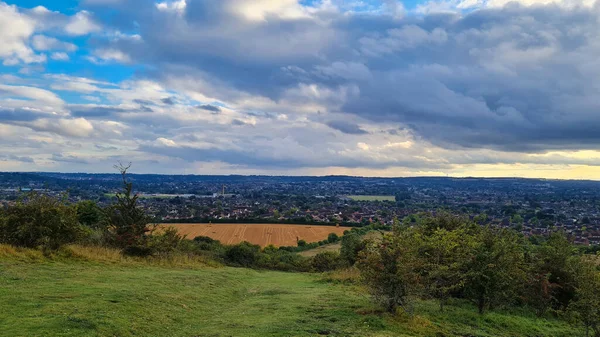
[260,234]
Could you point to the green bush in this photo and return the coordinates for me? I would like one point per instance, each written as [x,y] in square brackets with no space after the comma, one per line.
[325,261]
[352,244]
[165,242]
[89,214]
[40,221]
[332,237]
[127,223]
[244,254]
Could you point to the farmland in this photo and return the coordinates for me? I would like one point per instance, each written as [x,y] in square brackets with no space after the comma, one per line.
[372,197]
[260,234]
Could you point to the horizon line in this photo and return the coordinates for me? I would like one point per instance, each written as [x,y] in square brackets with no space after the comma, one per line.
[308,176]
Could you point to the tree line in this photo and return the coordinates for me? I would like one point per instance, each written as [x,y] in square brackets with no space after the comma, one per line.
[448,256]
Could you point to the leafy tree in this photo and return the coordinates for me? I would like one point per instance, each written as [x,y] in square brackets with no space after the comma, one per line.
[301,243]
[332,237]
[496,270]
[387,269]
[40,220]
[445,254]
[551,280]
[244,254]
[128,223]
[352,244]
[325,261]
[586,305]
[441,220]
[89,214]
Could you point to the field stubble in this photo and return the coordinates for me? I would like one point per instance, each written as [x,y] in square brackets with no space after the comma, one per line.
[260,234]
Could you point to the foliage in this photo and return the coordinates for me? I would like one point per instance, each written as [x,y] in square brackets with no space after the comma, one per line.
[244,254]
[89,214]
[551,282]
[496,269]
[388,272]
[444,255]
[128,223]
[165,242]
[352,244]
[332,237]
[40,220]
[586,305]
[325,261]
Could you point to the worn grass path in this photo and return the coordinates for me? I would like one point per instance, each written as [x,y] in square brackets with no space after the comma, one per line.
[63,297]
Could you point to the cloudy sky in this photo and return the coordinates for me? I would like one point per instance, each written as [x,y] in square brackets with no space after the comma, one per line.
[316,87]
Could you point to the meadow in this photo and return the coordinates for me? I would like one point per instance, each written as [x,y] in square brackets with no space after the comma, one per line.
[372,197]
[82,291]
[259,234]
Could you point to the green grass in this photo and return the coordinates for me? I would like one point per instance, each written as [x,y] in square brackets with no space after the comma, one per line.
[80,296]
[372,197]
[332,247]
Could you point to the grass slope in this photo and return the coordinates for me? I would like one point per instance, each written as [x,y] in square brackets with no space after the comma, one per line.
[78,297]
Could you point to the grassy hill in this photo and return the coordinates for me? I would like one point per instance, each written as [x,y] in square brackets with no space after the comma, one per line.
[98,293]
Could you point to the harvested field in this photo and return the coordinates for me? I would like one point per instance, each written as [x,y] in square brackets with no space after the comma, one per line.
[260,234]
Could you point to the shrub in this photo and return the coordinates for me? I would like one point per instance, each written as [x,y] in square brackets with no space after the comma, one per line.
[586,305]
[301,243]
[325,261]
[351,246]
[387,269]
[205,239]
[40,221]
[89,214]
[332,237]
[128,223]
[272,258]
[244,254]
[165,242]
[137,250]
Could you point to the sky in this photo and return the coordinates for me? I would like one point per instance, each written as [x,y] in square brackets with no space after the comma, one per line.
[488,88]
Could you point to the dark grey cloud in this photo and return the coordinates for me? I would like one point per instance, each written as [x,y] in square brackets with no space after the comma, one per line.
[168,100]
[346,127]
[514,78]
[237,122]
[143,101]
[266,158]
[208,107]
[10,115]
[23,159]
[59,157]
[95,111]
[105,148]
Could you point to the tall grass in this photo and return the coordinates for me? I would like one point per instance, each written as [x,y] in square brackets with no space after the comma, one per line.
[107,255]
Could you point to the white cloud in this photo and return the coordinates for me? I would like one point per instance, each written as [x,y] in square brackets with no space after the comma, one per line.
[109,55]
[16,29]
[75,127]
[81,24]
[257,10]
[44,43]
[33,93]
[177,6]
[59,56]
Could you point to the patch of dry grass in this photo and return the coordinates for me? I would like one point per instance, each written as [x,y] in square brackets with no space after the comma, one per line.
[343,276]
[106,255]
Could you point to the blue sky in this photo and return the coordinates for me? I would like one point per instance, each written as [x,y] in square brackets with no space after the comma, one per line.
[377,88]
